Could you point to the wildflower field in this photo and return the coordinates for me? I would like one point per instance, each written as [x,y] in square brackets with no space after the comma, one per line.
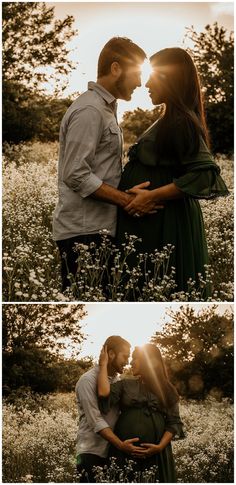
[31,269]
[39,442]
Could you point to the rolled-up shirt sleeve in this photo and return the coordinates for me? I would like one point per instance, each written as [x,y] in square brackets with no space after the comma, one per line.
[89,403]
[84,131]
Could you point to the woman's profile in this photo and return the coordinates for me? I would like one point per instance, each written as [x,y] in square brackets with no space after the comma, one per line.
[173,154]
[148,410]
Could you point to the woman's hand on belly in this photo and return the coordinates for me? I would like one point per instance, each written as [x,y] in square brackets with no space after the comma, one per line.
[147,449]
[143,202]
[128,446]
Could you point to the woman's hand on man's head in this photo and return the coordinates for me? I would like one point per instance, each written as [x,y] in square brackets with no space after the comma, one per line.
[103,358]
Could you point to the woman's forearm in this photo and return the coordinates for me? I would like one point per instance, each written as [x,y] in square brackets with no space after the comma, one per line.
[150,449]
[156,198]
[103,382]
[166,439]
[167,192]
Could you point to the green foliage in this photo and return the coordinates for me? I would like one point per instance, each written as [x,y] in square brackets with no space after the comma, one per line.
[34,337]
[41,326]
[39,371]
[30,115]
[32,40]
[135,122]
[68,372]
[213,54]
[198,348]
[34,52]
[32,368]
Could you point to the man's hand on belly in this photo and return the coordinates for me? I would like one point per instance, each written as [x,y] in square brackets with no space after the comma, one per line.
[143,202]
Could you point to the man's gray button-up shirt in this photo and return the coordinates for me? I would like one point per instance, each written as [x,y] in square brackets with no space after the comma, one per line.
[90,154]
[91,420]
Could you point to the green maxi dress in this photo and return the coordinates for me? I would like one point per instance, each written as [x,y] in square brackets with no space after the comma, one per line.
[180,223]
[142,416]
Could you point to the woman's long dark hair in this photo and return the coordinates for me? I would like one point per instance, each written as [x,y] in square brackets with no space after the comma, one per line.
[183,123]
[154,375]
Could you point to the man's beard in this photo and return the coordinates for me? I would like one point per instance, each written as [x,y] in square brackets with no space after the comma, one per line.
[121,87]
[118,368]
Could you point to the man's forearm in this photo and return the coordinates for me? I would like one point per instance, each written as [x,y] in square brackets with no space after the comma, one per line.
[126,446]
[114,196]
[108,435]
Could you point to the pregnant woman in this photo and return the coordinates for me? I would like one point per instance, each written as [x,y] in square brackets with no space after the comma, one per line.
[173,154]
[148,410]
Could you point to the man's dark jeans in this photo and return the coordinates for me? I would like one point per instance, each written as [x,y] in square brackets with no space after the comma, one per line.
[85,471]
[66,246]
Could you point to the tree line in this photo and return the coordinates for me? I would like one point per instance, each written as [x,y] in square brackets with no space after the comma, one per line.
[33,40]
[34,338]
[197,348]
[198,351]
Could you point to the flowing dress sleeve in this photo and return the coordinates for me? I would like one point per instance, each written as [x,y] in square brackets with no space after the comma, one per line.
[201,178]
[106,403]
[173,423]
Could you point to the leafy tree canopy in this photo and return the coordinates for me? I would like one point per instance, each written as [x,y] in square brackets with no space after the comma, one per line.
[190,333]
[35,338]
[213,54]
[33,40]
[40,326]
[198,349]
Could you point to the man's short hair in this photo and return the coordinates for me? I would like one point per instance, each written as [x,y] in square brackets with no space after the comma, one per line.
[121,50]
[116,343]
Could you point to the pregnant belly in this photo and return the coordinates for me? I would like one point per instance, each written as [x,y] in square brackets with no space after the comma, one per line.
[136,173]
[137,423]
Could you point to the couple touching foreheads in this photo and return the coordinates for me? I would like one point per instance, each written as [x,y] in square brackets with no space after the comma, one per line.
[170,166]
[132,418]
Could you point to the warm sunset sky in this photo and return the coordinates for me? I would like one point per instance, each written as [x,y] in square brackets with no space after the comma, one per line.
[136,322]
[152,25]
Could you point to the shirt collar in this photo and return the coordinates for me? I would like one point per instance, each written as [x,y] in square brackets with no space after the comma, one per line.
[108,97]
